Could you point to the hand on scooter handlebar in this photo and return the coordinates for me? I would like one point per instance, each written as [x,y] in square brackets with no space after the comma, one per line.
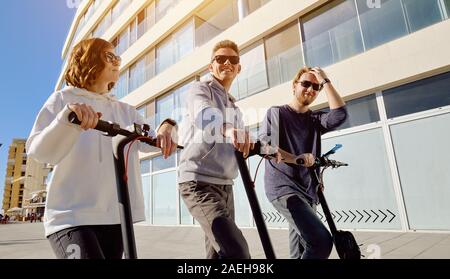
[282,156]
[166,139]
[113,129]
[240,138]
[88,118]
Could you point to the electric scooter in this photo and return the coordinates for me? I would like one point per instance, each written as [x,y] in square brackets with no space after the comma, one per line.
[344,241]
[140,133]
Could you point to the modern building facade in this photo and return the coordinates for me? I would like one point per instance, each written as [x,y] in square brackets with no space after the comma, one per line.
[35,192]
[15,176]
[389,59]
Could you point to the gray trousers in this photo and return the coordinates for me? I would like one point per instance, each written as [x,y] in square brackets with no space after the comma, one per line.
[212,206]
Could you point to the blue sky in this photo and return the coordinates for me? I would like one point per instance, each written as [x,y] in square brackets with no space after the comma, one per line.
[32,35]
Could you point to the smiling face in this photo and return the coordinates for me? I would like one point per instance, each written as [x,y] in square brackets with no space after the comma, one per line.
[227,71]
[305,95]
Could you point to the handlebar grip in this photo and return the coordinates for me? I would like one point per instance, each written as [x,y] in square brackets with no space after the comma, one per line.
[300,161]
[102,125]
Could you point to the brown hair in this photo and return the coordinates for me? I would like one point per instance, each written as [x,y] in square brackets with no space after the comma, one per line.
[87,62]
[303,70]
[225,44]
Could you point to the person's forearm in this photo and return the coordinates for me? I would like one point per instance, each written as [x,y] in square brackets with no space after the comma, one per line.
[334,99]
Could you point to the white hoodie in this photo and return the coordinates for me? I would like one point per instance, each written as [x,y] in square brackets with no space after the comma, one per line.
[82,190]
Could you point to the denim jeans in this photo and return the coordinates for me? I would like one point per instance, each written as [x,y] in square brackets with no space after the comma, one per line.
[308,236]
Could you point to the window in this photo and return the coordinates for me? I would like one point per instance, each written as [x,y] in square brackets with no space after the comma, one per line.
[447,5]
[284,56]
[175,47]
[164,198]
[141,23]
[159,163]
[180,101]
[121,87]
[133,32]
[137,77]
[145,166]
[361,111]
[165,105]
[252,78]
[163,6]
[118,9]
[331,34]
[213,19]
[123,42]
[418,96]
[381,25]
[421,13]
[421,150]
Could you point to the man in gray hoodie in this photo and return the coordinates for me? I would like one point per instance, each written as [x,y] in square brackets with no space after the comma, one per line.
[211,131]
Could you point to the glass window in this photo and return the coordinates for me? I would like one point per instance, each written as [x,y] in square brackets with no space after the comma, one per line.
[150,16]
[145,166]
[159,163]
[165,105]
[180,101]
[364,189]
[380,25]
[123,42]
[421,13]
[418,96]
[284,54]
[361,111]
[164,199]
[142,111]
[137,76]
[175,47]
[133,32]
[213,19]
[118,9]
[185,217]
[163,6]
[421,150]
[252,78]
[447,5]
[121,87]
[141,23]
[146,190]
[331,34]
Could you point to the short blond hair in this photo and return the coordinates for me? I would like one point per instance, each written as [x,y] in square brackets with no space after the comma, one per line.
[225,44]
[303,70]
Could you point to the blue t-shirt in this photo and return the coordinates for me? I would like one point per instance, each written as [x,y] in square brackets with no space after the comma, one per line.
[298,133]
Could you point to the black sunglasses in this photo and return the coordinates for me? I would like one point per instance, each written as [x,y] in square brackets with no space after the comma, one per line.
[307,84]
[221,59]
[111,57]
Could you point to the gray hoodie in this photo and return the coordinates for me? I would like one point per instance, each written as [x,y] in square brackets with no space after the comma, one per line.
[207,156]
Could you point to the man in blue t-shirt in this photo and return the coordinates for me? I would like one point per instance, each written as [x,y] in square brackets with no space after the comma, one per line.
[289,187]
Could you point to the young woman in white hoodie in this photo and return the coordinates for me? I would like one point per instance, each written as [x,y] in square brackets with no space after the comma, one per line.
[82,213]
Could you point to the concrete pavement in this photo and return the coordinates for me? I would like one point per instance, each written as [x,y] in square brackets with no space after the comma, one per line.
[27,241]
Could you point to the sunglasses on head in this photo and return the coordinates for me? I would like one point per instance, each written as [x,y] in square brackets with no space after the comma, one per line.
[221,59]
[111,57]
[307,84]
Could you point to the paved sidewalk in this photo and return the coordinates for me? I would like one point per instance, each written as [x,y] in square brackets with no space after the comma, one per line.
[27,241]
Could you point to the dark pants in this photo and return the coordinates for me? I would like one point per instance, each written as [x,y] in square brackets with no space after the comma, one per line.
[308,236]
[213,207]
[88,242]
